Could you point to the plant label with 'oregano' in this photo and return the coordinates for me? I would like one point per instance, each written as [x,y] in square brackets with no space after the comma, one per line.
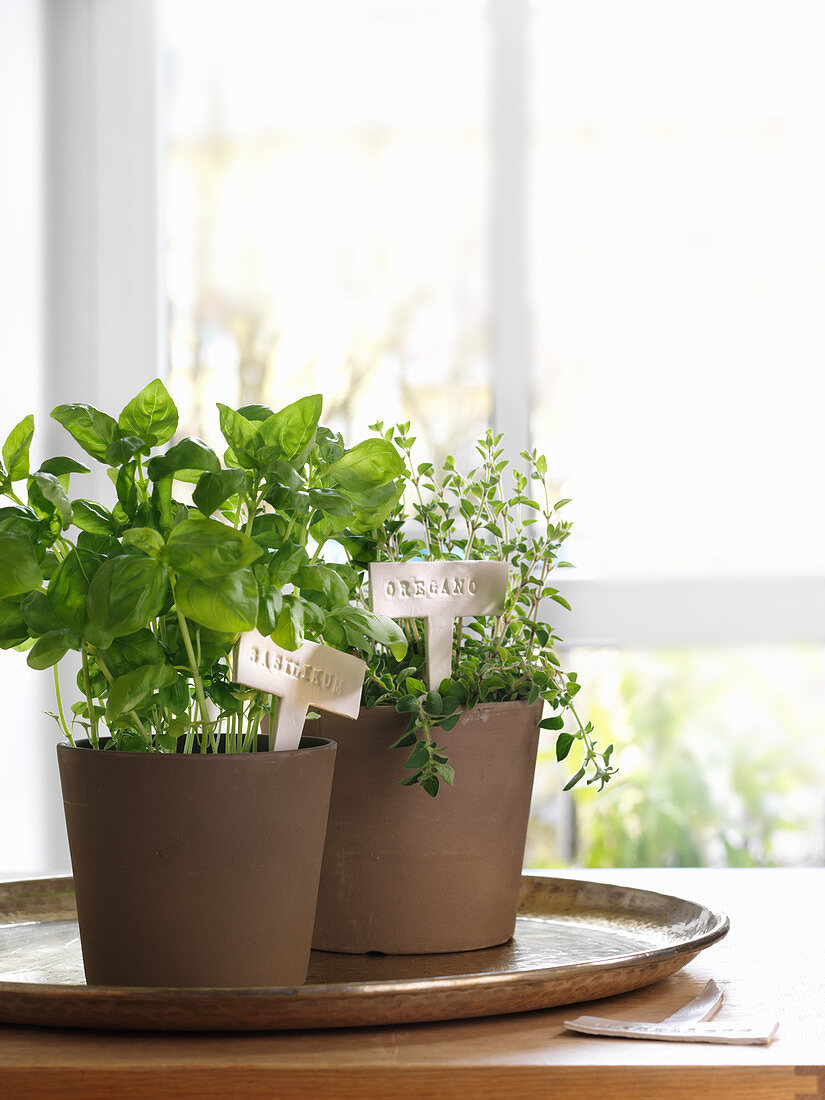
[313,675]
[439,592]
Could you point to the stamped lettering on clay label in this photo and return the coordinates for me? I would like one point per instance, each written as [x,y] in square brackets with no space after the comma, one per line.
[314,675]
[439,592]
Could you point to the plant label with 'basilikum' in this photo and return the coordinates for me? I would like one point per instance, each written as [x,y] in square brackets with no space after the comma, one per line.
[312,676]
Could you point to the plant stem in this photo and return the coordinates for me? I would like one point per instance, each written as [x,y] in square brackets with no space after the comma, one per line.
[251,509]
[64,725]
[189,743]
[458,639]
[318,550]
[93,731]
[141,477]
[291,525]
[193,665]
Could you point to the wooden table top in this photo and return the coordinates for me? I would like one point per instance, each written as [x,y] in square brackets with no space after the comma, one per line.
[772,963]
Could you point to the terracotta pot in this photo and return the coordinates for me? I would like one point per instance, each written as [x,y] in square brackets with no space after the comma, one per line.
[404,873]
[196,870]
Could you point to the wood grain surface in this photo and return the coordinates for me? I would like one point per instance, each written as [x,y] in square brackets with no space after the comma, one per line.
[772,962]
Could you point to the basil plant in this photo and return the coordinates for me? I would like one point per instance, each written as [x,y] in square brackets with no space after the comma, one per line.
[152,592]
[493,511]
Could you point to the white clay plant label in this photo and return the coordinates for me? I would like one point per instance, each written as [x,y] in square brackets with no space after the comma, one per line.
[312,676]
[439,592]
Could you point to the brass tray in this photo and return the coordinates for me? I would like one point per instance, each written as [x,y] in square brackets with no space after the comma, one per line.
[574,941]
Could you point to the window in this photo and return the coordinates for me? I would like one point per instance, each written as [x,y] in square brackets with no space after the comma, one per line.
[677,268]
[326,210]
[605,215]
[599,226]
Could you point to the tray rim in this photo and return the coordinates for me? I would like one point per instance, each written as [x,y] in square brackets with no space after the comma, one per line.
[82,994]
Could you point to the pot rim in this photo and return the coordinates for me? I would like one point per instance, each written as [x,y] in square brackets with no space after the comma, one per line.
[504,704]
[322,743]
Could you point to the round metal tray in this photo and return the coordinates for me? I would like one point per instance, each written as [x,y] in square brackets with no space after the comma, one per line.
[574,941]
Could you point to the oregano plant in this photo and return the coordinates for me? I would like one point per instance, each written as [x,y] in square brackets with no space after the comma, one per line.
[494,511]
[151,589]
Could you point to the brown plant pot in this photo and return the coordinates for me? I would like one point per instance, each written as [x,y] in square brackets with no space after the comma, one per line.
[196,870]
[404,873]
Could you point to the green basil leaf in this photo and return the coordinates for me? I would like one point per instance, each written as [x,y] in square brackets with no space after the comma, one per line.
[19,568]
[105,546]
[205,548]
[334,634]
[146,539]
[378,627]
[167,740]
[323,527]
[60,466]
[329,445]
[130,690]
[244,439]
[48,498]
[279,473]
[92,429]
[151,415]
[215,488]
[132,650]
[256,412]
[292,430]
[373,509]
[69,588]
[366,466]
[20,520]
[268,530]
[228,604]
[330,503]
[124,449]
[289,630]
[164,512]
[16,449]
[286,500]
[126,488]
[283,564]
[322,578]
[126,594]
[190,454]
[315,617]
[92,517]
[269,608]
[38,614]
[13,628]
[175,696]
[49,649]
